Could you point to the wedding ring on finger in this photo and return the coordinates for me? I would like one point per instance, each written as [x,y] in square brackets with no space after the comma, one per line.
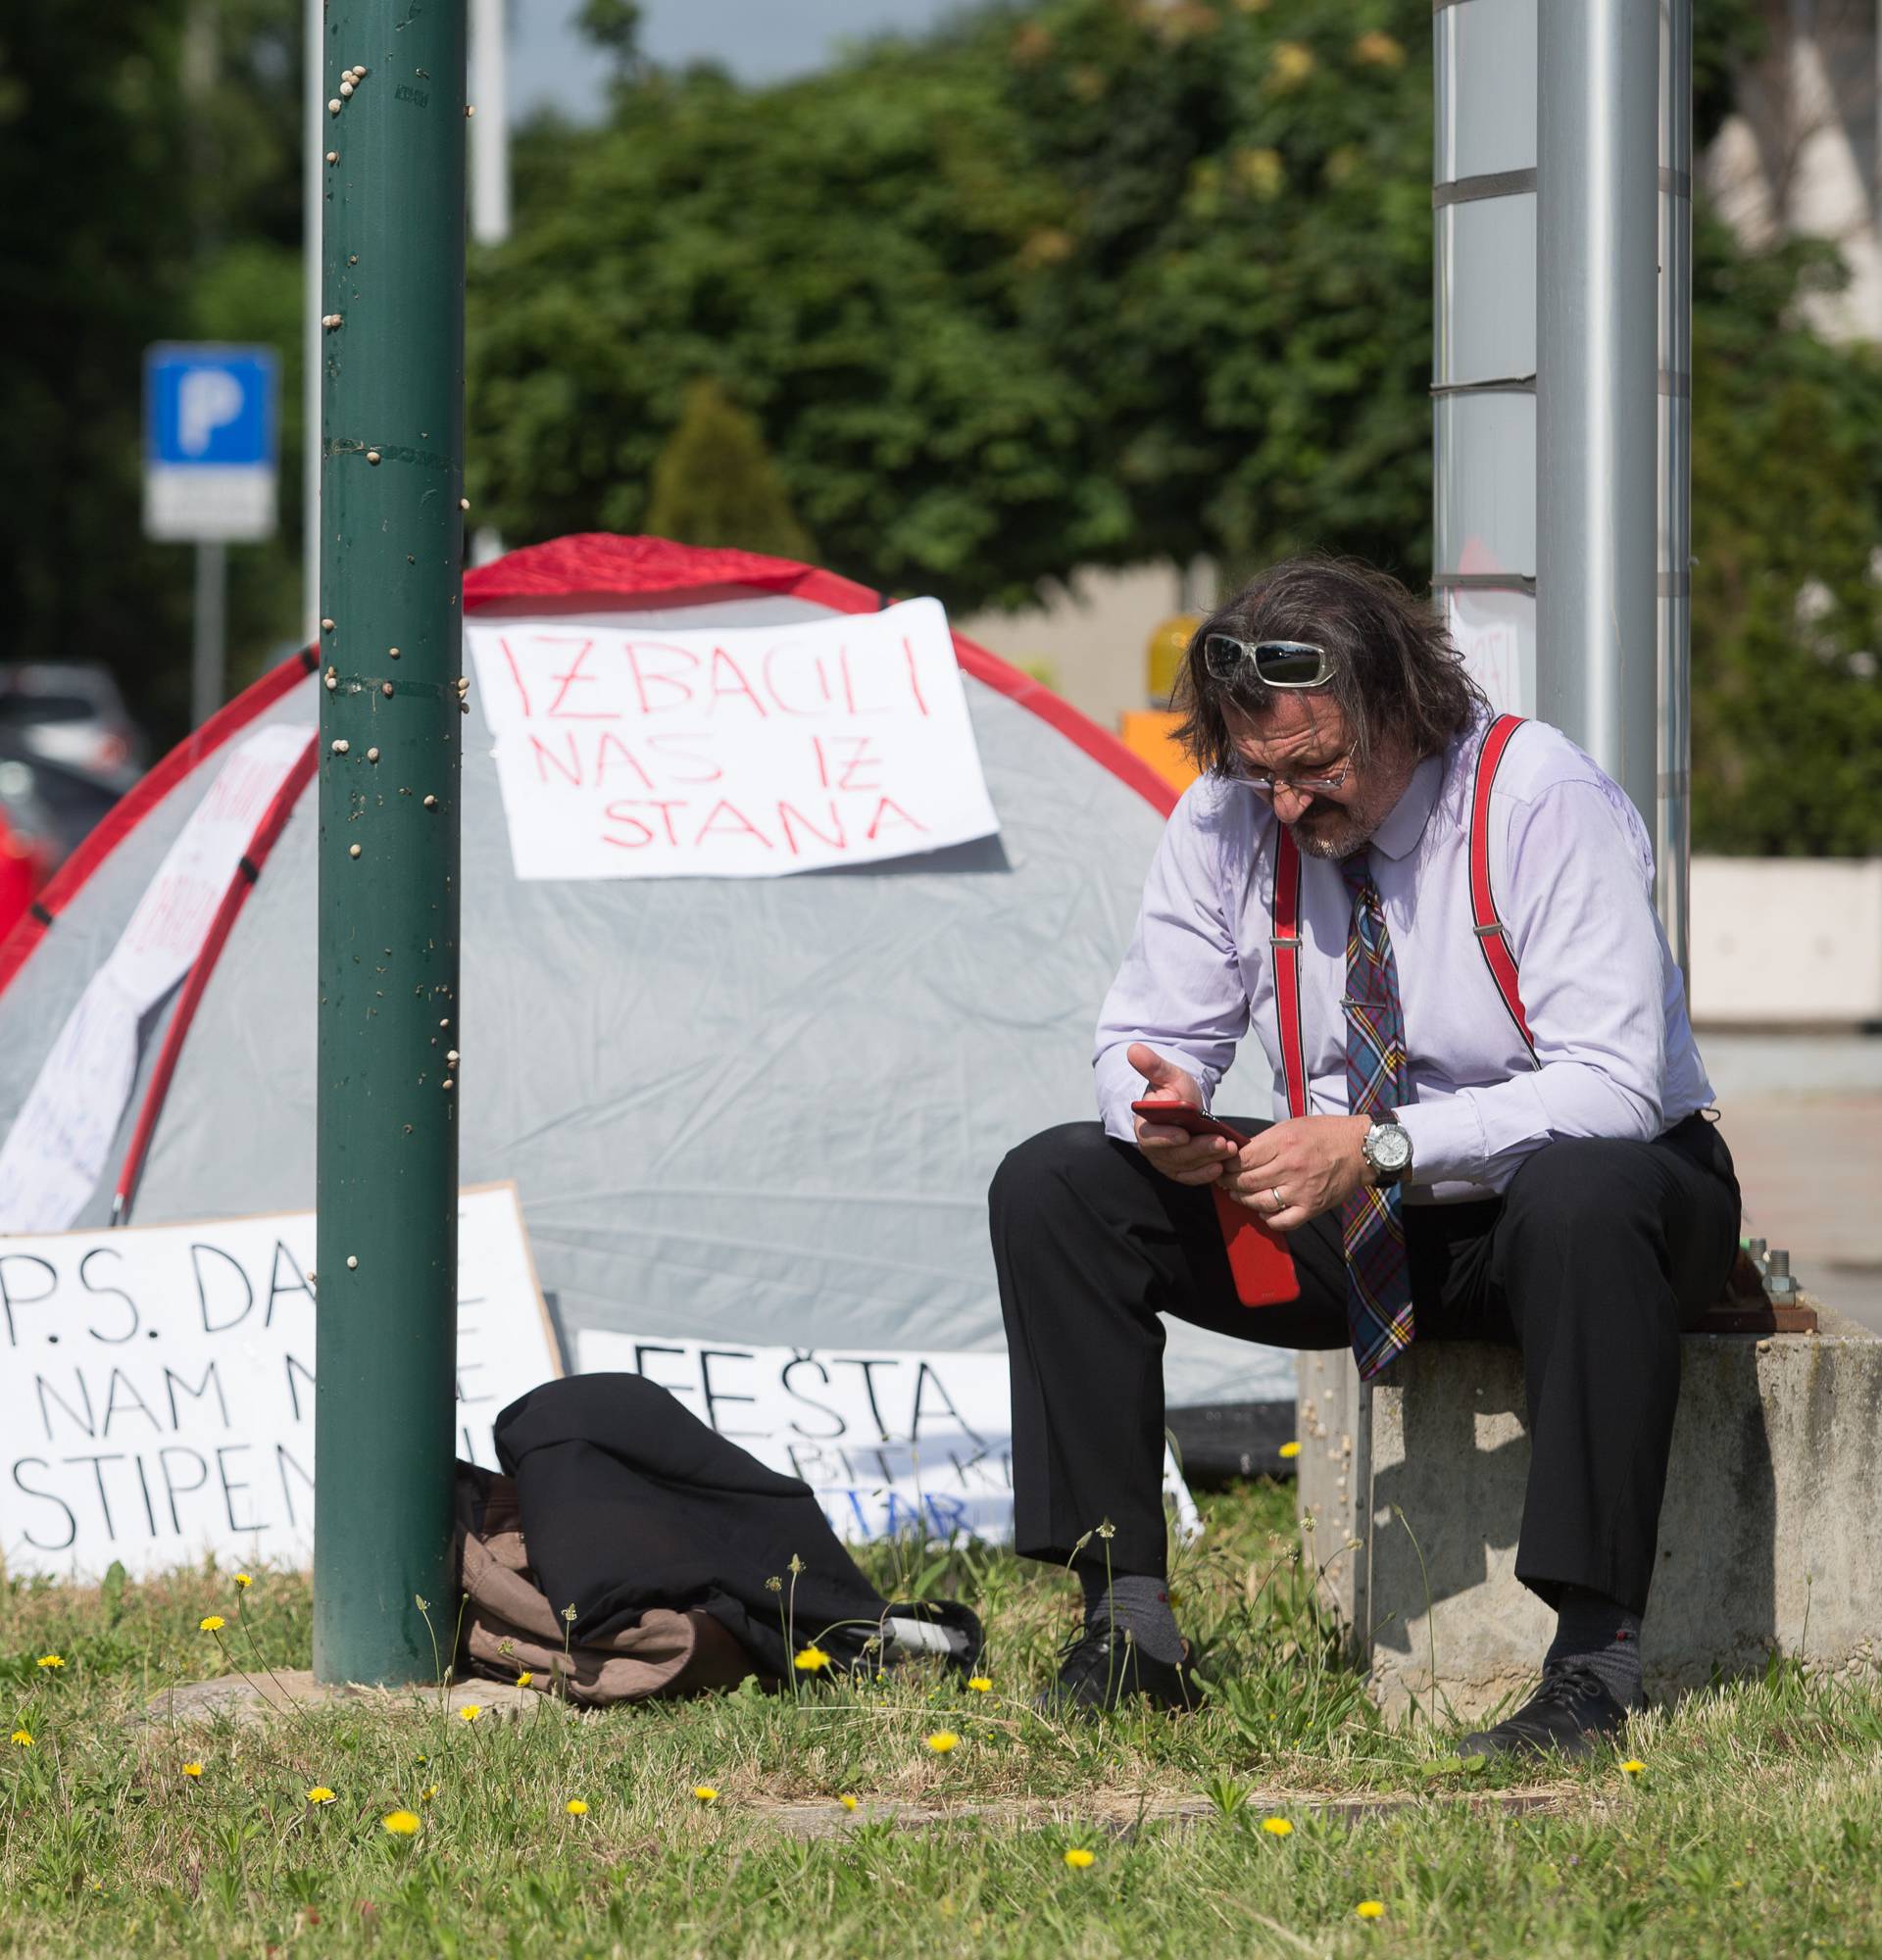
[1280,1203]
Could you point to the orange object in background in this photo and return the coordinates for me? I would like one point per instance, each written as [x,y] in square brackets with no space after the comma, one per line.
[1147,732]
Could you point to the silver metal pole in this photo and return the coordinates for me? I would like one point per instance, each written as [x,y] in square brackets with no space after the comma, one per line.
[314,143]
[1597,111]
[208,665]
[490,126]
[1483,355]
[1672,834]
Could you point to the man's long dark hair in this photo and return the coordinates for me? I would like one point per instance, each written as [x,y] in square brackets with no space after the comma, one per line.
[1397,675]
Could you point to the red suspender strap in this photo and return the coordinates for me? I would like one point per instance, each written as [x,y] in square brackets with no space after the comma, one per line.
[1489,929]
[1286,947]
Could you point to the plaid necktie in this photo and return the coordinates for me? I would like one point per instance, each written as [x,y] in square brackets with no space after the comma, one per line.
[1379,1279]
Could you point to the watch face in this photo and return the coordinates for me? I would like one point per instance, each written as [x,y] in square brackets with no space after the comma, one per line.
[1389,1147]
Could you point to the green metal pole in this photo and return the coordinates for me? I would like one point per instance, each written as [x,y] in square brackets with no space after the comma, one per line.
[391,645]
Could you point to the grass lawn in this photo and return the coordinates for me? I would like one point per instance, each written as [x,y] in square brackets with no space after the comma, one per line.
[1752,1825]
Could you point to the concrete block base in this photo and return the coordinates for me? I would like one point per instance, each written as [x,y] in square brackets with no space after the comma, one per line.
[1770,1534]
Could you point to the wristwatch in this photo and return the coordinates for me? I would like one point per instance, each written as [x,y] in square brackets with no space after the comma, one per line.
[1387,1148]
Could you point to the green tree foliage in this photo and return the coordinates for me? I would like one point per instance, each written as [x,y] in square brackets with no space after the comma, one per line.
[149,190]
[715,482]
[94,248]
[614,25]
[1728,36]
[1070,283]
[1787,588]
[1088,283]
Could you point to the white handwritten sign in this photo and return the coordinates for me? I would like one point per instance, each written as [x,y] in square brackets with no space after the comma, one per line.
[157,1384]
[744,753]
[890,1440]
[1492,650]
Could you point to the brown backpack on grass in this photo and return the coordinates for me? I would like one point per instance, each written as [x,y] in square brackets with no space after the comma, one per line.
[511,1626]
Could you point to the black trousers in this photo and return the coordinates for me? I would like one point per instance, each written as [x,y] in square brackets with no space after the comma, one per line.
[1592,1262]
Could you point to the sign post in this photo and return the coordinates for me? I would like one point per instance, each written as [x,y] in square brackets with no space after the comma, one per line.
[210,415]
[391,580]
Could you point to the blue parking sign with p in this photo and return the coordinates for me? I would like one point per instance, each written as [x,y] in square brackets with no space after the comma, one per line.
[210,416]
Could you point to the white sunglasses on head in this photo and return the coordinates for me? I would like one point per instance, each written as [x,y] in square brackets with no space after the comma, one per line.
[1276,662]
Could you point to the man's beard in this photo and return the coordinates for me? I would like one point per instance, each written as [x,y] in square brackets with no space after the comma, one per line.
[1332,830]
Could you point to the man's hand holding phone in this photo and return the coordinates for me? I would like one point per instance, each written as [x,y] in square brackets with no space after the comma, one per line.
[1193,1148]
[1186,1158]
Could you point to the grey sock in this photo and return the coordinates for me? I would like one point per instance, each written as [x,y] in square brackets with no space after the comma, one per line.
[1137,1604]
[1596,1632]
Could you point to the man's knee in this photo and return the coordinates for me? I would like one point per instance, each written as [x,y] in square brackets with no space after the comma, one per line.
[1042,1169]
[1576,1197]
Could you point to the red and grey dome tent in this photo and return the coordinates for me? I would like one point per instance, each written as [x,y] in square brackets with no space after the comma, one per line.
[760,1110]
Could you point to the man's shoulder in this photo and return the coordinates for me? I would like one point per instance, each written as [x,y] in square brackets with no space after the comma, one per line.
[1219,809]
[1540,757]
[1540,761]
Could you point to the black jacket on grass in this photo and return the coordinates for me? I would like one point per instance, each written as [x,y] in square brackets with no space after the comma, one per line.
[630,1503]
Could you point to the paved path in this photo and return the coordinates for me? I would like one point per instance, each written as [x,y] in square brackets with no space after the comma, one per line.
[1810,1156]
[1121,1815]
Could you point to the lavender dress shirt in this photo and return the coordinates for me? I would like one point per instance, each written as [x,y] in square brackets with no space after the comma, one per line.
[1573,872]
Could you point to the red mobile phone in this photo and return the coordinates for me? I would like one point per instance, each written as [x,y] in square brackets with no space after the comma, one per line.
[1186,1116]
[1259,1261]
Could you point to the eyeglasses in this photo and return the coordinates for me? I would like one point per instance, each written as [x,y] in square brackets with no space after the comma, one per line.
[1276,662]
[1266,784]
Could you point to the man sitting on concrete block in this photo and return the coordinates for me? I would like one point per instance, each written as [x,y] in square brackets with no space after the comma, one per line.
[1438,925]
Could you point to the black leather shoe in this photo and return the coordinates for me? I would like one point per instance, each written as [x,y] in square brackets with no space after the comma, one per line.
[1102,1668]
[1571,1712]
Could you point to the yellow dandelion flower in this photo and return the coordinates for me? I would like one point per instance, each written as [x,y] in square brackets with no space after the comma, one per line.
[192,1769]
[525,1678]
[402,1823]
[1290,1450]
[21,1738]
[51,1660]
[980,1683]
[243,1580]
[812,1660]
[847,1802]
[1078,1857]
[319,1793]
[212,1624]
[1370,1908]
[427,1792]
[1633,1766]
[942,1740]
[576,1808]
[705,1792]
[469,1712]
[1276,1827]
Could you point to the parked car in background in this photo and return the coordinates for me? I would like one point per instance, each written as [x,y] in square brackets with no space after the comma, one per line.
[20,874]
[47,809]
[71,712]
